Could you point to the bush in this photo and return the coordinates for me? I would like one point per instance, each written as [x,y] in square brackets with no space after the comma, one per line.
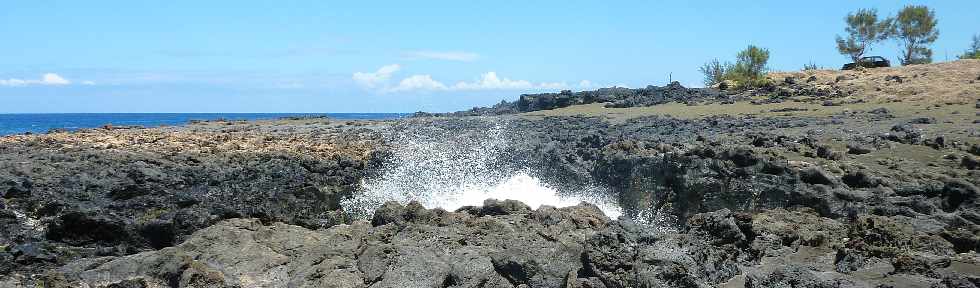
[714,72]
[752,62]
[748,72]
[811,66]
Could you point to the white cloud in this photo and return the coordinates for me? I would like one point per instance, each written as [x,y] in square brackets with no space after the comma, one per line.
[444,55]
[54,79]
[490,81]
[379,80]
[374,79]
[88,83]
[418,82]
[46,79]
[12,82]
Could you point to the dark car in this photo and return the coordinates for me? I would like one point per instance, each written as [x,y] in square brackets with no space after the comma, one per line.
[868,62]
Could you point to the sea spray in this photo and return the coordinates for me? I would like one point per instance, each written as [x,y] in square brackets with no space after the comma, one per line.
[463,164]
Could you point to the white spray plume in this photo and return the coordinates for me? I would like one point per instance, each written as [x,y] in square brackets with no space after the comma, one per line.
[451,168]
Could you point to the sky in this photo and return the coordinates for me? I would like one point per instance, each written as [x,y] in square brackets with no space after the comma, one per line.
[400,56]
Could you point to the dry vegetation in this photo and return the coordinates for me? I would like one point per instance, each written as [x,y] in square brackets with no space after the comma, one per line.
[945,91]
[260,137]
[956,81]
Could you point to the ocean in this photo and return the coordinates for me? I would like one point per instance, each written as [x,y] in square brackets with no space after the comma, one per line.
[41,123]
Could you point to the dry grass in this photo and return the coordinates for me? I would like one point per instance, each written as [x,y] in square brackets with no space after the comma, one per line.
[945,91]
[956,81]
[266,137]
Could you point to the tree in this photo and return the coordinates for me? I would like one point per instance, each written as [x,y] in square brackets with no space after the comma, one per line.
[751,63]
[863,29]
[748,71]
[714,72]
[915,29]
[974,51]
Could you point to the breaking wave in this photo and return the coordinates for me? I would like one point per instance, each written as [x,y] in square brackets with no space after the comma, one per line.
[454,166]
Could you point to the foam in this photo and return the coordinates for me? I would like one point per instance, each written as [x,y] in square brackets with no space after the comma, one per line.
[444,168]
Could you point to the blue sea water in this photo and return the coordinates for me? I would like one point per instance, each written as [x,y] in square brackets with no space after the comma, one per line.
[41,123]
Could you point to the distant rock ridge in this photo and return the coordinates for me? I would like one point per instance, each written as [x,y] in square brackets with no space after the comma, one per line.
[617,97]
[947,82]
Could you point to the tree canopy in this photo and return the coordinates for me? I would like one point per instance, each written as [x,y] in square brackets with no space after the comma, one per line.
[915,29]
[748,71]
[751,62]
[863,29]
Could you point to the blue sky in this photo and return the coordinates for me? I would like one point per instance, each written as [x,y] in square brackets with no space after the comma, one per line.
[398,56]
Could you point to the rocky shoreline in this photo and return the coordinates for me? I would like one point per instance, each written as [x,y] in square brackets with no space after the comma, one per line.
[783,189]
[507,244]
[103,192]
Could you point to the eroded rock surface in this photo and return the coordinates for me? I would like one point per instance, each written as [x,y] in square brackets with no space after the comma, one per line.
[102,192]
[575,246]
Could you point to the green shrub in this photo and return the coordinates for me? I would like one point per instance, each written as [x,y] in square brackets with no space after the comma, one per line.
[748,72]
[811,66]
[752,62]
[714,72]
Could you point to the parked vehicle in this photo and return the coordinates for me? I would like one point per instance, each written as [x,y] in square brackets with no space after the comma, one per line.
[868,62]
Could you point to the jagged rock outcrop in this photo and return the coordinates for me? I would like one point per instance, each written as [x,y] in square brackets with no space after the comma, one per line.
[577,246]
[116,192]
